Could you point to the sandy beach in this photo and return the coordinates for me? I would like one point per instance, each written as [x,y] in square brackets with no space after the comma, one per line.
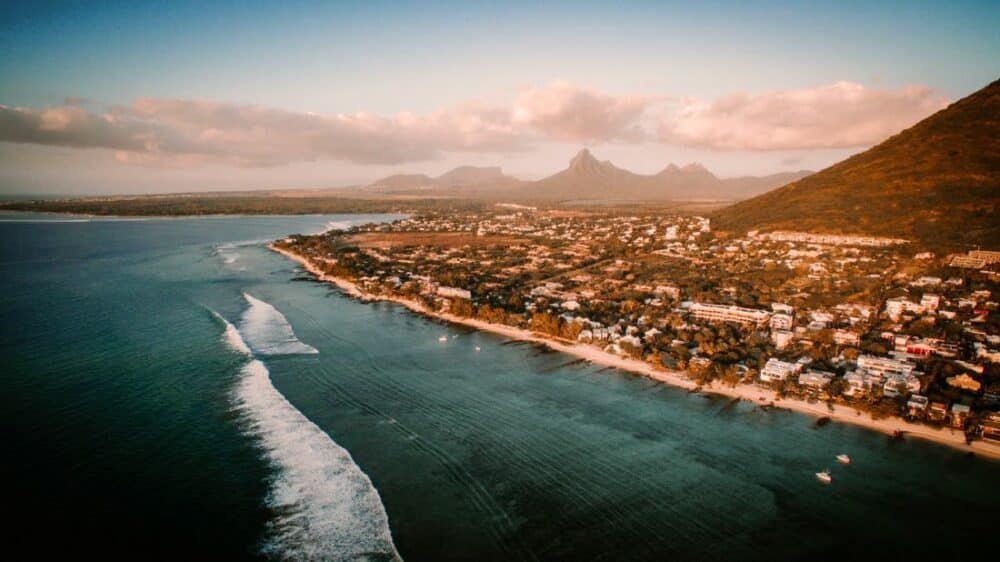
[751,393]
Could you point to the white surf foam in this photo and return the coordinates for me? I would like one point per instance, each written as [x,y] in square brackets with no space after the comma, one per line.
[326,506]
[268,332]
[336,225]
[227,251]
[232,336]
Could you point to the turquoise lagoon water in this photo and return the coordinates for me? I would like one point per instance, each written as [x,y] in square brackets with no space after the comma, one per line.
[171,389]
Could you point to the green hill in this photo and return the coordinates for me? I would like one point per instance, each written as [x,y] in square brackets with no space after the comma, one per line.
[936,183]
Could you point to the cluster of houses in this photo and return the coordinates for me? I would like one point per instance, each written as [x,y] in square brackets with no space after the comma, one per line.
[826,239]
[847,310]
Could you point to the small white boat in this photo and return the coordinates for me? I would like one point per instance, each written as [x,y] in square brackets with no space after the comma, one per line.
[824,477]
[477,348]
[443,339]
[843,458]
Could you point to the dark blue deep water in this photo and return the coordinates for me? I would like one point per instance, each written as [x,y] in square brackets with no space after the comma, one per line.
[135,425]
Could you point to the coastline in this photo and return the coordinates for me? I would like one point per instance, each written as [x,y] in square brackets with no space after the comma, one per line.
[751,393]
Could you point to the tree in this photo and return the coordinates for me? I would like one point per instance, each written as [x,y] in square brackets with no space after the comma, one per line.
[731,375]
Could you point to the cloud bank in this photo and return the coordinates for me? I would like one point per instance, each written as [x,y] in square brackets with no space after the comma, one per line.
[562,111]
[179,132]
[840,115]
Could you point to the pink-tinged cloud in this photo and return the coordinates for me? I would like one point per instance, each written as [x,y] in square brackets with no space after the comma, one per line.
[188,132]
[178,132]
[839,115]
[563,111]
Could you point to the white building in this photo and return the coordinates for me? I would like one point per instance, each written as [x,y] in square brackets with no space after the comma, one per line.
[990,257]
[570,305]
[782,308]
[829,239]
[781,321]
[858,383]
[815,379]
[776,370]
[884,366]
[455,293]
[724,313]
[895,307]
[846,337]
[894,383]
[782,338]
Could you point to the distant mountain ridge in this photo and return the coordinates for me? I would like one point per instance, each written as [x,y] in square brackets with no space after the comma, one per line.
[936,183]
[587,178]
[463,177]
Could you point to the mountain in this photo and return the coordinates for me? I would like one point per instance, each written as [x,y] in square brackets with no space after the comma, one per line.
[462,178]
[467,176]
[402,182]
[936,183]
[586,178]
[589,178]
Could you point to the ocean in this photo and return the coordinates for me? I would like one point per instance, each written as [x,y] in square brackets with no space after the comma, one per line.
[172,389]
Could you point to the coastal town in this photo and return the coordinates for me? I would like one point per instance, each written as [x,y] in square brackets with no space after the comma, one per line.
[873,324]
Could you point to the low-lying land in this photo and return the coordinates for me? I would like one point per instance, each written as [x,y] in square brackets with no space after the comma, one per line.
[833,326]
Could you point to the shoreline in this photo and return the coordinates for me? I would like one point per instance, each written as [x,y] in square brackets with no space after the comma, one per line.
[751,393]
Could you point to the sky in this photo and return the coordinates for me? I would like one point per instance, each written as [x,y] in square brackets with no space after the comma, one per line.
[134,97]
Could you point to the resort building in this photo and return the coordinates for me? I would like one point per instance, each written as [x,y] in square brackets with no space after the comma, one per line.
[724,313]
[857,383]
[776,370]
[898,384]
[781,321]
[830,239]
[967,262]
[815,379]
[454,293]
[990,257]
[884,366]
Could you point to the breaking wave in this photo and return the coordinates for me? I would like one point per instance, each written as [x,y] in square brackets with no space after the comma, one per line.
[326,507]
[228,251]
[268,332]
[336,225]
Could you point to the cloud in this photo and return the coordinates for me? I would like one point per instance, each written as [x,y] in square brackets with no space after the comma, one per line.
[153,131]
[185,132]
[69,125]
[839,115]
[563,111]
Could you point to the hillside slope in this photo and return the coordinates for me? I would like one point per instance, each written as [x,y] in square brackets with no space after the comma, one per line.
[936,183]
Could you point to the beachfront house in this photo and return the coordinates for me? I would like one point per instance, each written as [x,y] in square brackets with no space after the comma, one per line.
[937,411]
[897,384]
[776,370]
[916,406]
[989,428]
[815,380]
[959,415]
[858,384]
